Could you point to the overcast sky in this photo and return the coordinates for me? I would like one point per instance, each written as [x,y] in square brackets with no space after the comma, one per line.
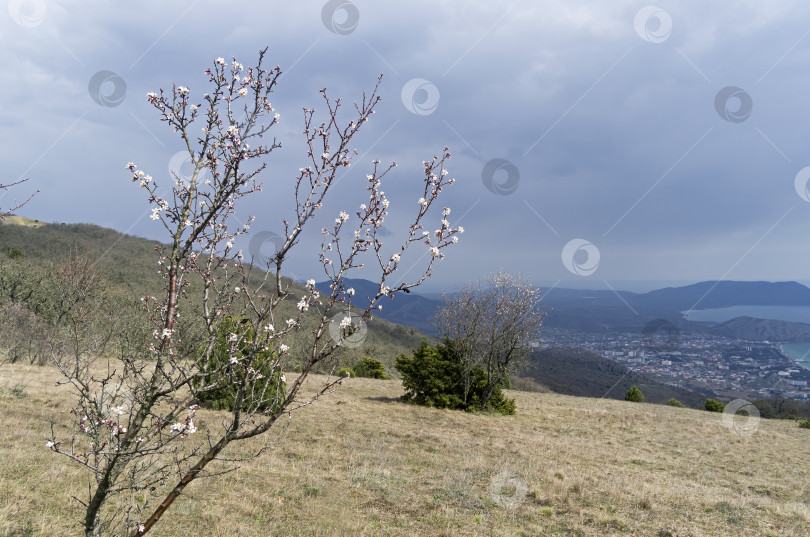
[594,143]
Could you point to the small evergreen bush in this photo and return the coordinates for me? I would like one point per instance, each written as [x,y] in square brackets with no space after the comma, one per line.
[346,372]
[804,424]
[232,363]
[434,376]
[634,395]
[713,405]
[370,368]
[765,409]
[674,402]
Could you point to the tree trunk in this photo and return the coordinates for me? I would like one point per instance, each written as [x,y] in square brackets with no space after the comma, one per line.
[178,489]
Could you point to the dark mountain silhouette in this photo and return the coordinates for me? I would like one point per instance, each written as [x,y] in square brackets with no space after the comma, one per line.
[761,330]
[705,295]
[411,309]
[606,311]
[578,371]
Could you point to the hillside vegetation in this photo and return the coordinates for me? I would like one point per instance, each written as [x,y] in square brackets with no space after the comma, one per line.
[129,270]
[577,371]
[362,463]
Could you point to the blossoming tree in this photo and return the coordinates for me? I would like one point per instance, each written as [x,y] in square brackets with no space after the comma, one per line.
[133,423]
[491,325]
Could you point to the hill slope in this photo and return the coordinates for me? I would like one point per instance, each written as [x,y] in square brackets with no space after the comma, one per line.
[762,330]
[576,371]
[129,263]
[361,463]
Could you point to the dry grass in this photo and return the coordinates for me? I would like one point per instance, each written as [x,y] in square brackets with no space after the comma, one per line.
[361,463]
[21,221]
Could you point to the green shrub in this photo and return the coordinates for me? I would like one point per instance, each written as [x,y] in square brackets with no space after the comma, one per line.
[233,362]
[804,424]
[674,402]
[345,372]
[713,405]
[634,395]
[765,409]
[370,368]
[434,376]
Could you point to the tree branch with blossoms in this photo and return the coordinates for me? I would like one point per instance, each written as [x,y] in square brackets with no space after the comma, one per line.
[133,425]
[17,204]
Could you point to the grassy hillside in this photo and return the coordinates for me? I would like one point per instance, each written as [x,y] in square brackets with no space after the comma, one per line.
[129,264]
[20,221]
[361,463]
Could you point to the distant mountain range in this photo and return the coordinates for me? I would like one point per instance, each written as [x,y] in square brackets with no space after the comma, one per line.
[409,309]
[602,311]
[713,294]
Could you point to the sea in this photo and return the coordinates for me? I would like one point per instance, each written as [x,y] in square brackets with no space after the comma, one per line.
[793,314]
[798,352]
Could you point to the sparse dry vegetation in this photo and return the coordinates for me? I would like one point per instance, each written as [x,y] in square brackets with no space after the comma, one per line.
[362,463]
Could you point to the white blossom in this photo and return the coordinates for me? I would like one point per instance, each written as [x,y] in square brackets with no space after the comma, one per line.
[303,305]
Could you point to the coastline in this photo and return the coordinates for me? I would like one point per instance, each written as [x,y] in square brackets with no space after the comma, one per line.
[801,365]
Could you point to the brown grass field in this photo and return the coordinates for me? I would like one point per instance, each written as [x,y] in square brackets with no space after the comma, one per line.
[361,463]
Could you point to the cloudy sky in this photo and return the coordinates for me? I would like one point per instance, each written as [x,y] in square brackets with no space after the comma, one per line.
[596,144]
